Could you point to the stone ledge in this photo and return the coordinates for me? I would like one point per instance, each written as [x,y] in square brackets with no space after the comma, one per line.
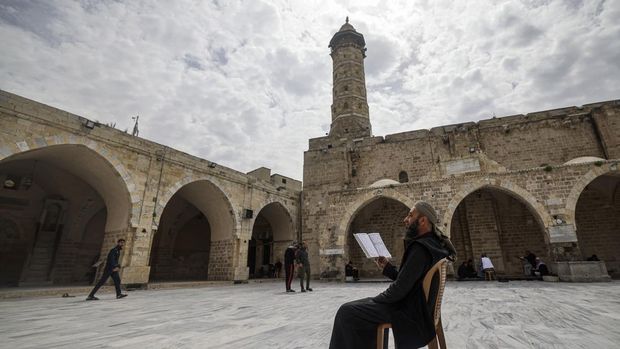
[581,271]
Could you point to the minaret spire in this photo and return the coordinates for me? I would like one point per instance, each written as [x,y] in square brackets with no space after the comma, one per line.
[350,117]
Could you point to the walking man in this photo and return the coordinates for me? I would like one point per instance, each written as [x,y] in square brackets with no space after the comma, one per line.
[303,265]
[112,268]
[289,265]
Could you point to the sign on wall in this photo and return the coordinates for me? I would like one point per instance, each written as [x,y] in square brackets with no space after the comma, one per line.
[562,233]
[331,251]
[462,166]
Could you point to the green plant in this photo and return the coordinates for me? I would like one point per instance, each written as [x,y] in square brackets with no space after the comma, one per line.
[548,168]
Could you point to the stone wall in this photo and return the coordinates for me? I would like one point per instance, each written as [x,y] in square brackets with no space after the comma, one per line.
[136,178]
[221,260]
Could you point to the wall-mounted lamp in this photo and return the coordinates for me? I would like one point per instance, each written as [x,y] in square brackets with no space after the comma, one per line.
[89,124]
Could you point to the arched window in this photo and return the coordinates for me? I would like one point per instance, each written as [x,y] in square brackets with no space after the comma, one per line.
[403,177]
[346,105]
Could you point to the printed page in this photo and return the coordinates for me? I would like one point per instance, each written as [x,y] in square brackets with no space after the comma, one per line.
[366,244]
[379,245]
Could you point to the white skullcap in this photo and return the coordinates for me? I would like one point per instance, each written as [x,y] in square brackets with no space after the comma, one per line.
[426,210]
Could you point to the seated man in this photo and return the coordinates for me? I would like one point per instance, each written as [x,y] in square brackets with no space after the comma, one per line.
[462,272]
[487,265]
[541,268]
[403,304]
[529,258]
[351,272]
[470,271]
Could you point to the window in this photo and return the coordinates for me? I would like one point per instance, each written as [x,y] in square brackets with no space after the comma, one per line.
[403,177]
[283,180]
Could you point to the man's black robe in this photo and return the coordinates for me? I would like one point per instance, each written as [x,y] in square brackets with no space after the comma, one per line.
[403,304]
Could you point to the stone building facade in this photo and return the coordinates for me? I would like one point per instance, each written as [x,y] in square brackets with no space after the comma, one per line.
[69,188]
[546,182]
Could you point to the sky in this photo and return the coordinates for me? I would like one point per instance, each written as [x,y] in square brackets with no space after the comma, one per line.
[245,84]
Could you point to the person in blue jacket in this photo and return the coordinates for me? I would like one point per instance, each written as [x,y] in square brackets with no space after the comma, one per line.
[112,267]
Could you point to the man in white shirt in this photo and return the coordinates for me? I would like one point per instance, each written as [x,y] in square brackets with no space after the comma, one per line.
[487,265]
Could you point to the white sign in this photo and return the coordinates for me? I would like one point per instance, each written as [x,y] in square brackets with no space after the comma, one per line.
[562,233]
[331,251]
[462,166]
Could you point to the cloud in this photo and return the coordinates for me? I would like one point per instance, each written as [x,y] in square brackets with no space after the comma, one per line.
[247,83]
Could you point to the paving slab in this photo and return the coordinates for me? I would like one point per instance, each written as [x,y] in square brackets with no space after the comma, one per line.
[522,314]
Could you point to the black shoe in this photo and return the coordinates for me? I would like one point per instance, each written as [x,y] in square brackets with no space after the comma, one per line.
[309,289]
[92,298]
[291,290]
[302,290]
[119,296]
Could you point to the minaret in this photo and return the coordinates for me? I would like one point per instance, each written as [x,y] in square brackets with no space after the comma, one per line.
[350,117]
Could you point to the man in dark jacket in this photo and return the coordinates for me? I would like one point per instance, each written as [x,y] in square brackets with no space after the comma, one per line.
[289,266]
[403,304]
[303,266]
[112,268]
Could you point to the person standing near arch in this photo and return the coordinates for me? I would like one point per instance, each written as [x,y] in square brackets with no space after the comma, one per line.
[303,266]
[289,265]
[112,267]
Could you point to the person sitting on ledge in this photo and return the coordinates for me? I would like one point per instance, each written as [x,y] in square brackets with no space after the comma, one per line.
[462,272]
[351,272]
[470,271]
[541,268]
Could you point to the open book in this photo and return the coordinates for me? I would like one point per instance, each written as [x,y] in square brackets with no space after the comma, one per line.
[372,245]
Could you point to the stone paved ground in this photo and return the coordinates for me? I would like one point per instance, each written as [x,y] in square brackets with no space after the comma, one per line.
[476,315]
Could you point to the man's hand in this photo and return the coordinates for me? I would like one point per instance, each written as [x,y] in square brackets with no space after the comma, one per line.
[116,269]
[381,262]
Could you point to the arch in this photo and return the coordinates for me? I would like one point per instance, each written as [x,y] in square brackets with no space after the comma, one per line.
[280,220]
[507,187]
[596,216]
[381,214]
[95,169]
[210,200]
[366,199]
[62,187]
[579,186]
[272,231]
[193,210]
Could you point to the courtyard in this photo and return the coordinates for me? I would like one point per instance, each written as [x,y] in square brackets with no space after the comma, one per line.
[523,314]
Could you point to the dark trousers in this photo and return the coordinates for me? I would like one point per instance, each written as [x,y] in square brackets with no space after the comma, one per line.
[304,272]
[289,270]
[106,274]
[355,325]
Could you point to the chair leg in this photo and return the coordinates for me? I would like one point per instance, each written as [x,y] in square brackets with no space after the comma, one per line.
[433,344]
[440,335]
[383,337]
